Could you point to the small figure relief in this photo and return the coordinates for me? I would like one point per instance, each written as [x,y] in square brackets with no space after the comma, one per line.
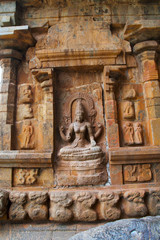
[24,111]
[27,136]
[130,94]
[26,176]
[59,207]
[137,173]
[128,133]
[17,210]
[153,202]
[83,202]
[25,94]
[128,110]
[3,202]
[37,208]
[133,203]
[132,133]
[138,133]
[108,209]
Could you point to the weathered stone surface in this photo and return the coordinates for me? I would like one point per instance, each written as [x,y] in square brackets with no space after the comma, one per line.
[144,228]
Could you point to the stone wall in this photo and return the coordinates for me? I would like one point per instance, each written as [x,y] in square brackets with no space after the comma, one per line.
[79,110]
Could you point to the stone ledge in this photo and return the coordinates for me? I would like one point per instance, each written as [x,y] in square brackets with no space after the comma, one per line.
[25,160]
[77,205]
[133,155]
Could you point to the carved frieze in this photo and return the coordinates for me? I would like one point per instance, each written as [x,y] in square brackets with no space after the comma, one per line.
[133,203]
[108,209]
[17,209]
[137,173]
[3,202]
[25,176]
[82,209]
[59,209]
[36,207]
[153,202]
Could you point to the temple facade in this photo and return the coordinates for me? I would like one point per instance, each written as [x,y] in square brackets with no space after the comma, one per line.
[79,111]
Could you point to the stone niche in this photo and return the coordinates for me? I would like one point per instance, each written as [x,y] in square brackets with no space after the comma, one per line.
[79,121]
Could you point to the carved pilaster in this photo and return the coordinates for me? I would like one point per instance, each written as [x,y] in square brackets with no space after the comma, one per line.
[145,53]
[9,60]
[45,78]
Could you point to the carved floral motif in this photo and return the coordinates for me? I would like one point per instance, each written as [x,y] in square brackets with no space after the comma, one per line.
[108,209]
[82,208]
[26,176]
[3,202]
[133,203]
[137,173]
[17,209]
[37,208]
[153,202]
[60,202]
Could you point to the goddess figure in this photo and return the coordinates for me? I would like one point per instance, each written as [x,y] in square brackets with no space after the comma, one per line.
[79,130]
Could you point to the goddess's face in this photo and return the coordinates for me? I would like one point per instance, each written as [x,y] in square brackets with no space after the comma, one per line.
[79,117]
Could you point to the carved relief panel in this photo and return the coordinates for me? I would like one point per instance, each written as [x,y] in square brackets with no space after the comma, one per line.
[80,130]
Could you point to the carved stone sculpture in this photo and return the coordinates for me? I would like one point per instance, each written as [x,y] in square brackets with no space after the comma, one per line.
[59,207]
[108,209]
[24,111]
[17,210]
[133,203]
[82,153]
[128,133]
[138,138]
[27,136]
[37,206]
[133,133]
[128,110]
[137,173]
[26,176]
[25,94]
[3,202]
[153,202]
[83,202]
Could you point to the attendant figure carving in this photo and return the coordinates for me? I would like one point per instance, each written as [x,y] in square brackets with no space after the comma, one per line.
[138,133]
[27,133]
[128,110]
[128,131]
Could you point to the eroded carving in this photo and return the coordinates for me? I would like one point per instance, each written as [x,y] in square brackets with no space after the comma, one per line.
[60,202]
[138,133]
[132,133]
[133,203]
[83,202]
[27,136]
[3,202]
[37,206]
[130,94]
[128,132]
[25,94]
[137,173]
[26,176]
[24,111]
[153,202]
[108,208]
[17,209]
[128,110]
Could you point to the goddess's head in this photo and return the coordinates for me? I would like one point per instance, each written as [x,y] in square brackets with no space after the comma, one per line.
[79,112]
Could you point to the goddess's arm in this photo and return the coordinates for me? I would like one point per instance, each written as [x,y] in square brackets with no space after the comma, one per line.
[97,134]
[91,137]
[68,136]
